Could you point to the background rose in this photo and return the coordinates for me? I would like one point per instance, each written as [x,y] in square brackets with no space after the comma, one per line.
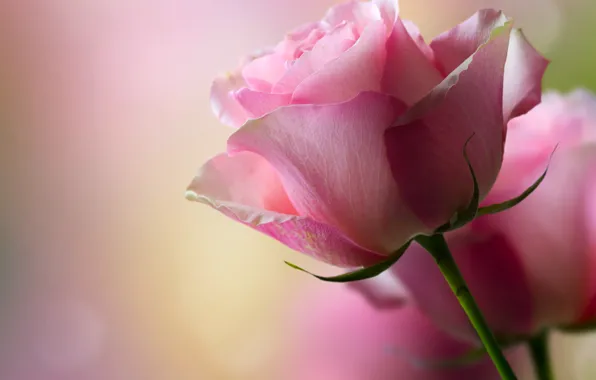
[532,266]
[339,336]
[326,175]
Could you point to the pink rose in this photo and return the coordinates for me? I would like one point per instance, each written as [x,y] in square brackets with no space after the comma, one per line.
[352,129]
[533,266]
[334,334]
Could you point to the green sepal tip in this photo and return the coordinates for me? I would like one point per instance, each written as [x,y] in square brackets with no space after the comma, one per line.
[363,273]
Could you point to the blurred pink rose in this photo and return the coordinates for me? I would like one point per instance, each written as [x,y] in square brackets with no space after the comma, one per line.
[534,265]
[337,335]
[367,150]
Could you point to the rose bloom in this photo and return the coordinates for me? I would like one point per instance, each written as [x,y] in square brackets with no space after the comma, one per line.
[334,334]
[534,265]
[351,131]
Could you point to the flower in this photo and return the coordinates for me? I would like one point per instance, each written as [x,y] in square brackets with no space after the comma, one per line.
[351,130]
[334,334]
[534,265]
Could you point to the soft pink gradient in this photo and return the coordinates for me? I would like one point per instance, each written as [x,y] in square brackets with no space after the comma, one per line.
[337,335]
[534,265]
[364,125]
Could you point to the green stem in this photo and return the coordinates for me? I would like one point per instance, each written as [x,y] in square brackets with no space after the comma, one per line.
[437,247]
[539,350]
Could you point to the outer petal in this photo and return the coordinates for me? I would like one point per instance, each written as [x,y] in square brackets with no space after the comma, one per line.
[455,46]
[333,165]
[224,104]
[524,70]
[246,188]
[409,73]
[363,64]
[494,273]
[258,104]
[262,73]
[336,335]
[418,39]
[426,147]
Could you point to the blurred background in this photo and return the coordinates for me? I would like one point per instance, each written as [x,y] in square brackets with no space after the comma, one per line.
[106,271]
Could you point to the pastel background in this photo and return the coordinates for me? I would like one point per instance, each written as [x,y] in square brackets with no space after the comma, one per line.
[106,271]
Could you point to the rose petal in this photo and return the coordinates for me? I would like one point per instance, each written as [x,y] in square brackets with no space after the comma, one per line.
[363,64]
[332,45]
[524,69]
[346,183]
[258,104]
[245,180]
[359,13]
[288,48]
[247,189]
[409,74]
[389,10]
[417,37]
[453,47]
[426,147]
[224,104]
[303,31]
[494,274]
[325,50]
[265,71]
